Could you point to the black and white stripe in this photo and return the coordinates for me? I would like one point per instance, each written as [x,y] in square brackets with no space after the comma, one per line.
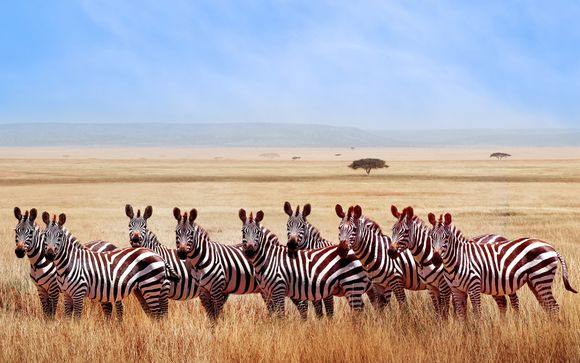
[105,277]
[497,269]
[370,246]
[221,269]
[311,275]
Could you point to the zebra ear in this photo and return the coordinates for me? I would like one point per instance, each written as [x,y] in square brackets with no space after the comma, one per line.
[259,216]
[395,212]
[288,209]
[17,213]
[32,215]
[177,213]
[357,211]
[46,218]
[447,219]
[306,210]
[242,215]
[129,211]
[349,213]
[432,219]
[61,219]
[192,215]
[148,212]
[339,211]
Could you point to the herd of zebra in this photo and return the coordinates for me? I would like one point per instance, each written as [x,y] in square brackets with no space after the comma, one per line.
[436,257]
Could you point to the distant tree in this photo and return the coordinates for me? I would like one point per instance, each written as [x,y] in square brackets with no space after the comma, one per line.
[499,156]
[337,154]
[352,148]
[296,158]
[368,164]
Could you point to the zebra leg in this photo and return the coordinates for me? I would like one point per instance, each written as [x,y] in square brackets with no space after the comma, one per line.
[278,299]
[379,298]
[444,298]
[107,309]
[475,297]
[515,302]
[543,292]
[218,299]
[400,294]
[303,307]
[119,310]
[164,300]
[435,298]
[68,306]
[139,295]
[317,308]
[501,304]
[354,299]
[205,299]
[460,303]
[78,301]
[45,302]
[329,307]
[53,294]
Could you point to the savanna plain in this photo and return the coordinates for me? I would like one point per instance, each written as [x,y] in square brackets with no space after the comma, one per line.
[534,195]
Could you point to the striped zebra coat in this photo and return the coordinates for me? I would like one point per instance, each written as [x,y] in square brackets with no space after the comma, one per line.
[43,272]
[365,238]
[308,275]
[221,269]
[409,232]
[141,236]
[104,277]
[497,269]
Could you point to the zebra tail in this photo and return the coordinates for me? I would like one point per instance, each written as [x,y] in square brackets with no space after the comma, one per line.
[171,274]
[565,274]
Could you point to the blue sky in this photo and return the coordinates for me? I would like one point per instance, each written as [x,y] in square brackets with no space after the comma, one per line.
[375,64]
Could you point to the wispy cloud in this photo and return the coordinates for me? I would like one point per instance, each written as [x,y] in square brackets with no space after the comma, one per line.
[370,64]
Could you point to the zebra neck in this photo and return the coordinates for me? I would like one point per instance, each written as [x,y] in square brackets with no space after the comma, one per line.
[153,243]
[455,254]
[266,260]
[68,253]
[314,239]
[201,246]
[370,247]
[35,253]
[421,250]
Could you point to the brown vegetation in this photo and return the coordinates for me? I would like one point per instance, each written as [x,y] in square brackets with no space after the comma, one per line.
[515,199]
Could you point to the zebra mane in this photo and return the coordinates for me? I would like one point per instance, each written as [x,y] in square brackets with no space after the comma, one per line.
[270,236]
[72,239]
[457,234]
[371,225]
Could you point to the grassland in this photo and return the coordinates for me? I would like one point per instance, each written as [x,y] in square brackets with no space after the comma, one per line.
[537,197]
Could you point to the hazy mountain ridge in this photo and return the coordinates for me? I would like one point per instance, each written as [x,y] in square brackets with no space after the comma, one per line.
[270,135]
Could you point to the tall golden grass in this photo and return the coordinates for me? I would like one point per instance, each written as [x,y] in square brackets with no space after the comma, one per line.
[516,198]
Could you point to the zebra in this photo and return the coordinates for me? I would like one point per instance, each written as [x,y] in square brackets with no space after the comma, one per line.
[304,236]
[141,236]
[365,238]
[105,277]
[311,275]
[409,232]
[495,269]
[221,269]
[43,272]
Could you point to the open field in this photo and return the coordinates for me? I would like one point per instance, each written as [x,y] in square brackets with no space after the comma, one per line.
[533,195]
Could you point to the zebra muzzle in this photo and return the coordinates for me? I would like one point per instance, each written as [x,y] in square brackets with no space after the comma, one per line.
[50,255]
[20,252]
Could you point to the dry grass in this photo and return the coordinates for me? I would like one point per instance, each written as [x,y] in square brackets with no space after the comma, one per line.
[515,198]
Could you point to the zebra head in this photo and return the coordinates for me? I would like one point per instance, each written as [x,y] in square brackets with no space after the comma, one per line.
[402,230]
[138,225]
[252,233]
[296,226]
[53,235]
[440,236]
[349,226]
[185,232]
[26,232]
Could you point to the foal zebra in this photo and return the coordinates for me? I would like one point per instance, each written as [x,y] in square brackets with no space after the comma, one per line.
[309,275]
[105,277]
[141,236]
[221,269]
[495,269]
[43,272]
[410,233]
[370,246]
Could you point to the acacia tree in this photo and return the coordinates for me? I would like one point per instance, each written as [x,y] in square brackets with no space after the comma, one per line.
[368,164]
[499,155]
